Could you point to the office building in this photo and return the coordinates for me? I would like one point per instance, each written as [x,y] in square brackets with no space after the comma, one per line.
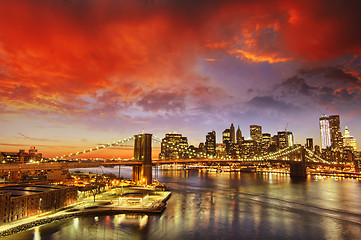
[335,131]
[174,146]
[226,139]
[211,143]
[256,133]
[325,132]
[348,141]
[232,134]
[309,143]
[239,136]
[285,139]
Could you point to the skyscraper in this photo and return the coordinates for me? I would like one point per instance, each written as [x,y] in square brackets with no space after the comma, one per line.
[256,133]
[285,139]
[309,143]
[232,134]
[226,137]
[325,132]
[239,135]
[336,135]
[211,143]
[348,141]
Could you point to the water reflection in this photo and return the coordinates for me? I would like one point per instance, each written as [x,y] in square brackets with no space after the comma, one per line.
[230,206]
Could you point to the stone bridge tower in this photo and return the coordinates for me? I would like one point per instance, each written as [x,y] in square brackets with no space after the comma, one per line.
[298,169]
[142,174]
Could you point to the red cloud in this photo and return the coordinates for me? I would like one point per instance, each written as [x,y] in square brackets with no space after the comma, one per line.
[52,52]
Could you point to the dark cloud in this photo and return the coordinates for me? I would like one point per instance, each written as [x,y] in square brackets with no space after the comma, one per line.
[295,85]
[158,100]
[268,103]
[332,74]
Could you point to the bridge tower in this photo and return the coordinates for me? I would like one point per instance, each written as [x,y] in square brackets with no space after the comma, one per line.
[143,152]
[298,168]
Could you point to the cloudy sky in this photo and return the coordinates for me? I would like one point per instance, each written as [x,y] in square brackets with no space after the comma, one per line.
[78,73]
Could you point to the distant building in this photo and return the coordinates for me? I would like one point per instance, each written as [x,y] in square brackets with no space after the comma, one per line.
[325,132]
[285,139]
[256,133]
[221,150]
[226,139]
[309,143]
[232,134]
[174,146]
[266,143]
[239,136]
[211,143]
[21,156]
[348,141]
[336,135]
[317,150]
[249,149]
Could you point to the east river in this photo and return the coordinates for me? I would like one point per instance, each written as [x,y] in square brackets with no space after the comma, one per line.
[210,205]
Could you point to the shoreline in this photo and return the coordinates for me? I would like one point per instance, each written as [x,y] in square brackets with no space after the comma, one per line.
[68,213]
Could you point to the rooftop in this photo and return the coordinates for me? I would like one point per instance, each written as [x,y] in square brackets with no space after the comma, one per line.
[27,189]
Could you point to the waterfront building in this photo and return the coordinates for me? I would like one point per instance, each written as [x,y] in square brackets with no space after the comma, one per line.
[21,201]
[256,133]
[309,143]
[239,136]
[285,139]
[335,131]
[325,132]
[348,141]
[174,146]
[211,143]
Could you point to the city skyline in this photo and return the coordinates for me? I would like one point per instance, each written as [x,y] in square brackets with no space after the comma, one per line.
[76,74]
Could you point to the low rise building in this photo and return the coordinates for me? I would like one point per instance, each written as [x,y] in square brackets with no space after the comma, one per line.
[21,201]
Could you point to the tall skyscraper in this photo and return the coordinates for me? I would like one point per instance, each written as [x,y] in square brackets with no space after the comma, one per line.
[256,133]
[325,132]
[211,143]
[348,141]
[239,135]
[336,135]
[232,134]
[285,139]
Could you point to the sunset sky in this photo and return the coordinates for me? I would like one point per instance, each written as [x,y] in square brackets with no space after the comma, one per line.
[78,73]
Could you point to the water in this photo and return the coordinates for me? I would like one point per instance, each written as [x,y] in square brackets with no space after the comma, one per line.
[228,206]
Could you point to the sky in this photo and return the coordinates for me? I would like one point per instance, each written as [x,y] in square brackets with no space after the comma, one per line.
[78,73]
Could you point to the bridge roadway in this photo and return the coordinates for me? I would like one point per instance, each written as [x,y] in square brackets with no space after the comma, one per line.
[111,163]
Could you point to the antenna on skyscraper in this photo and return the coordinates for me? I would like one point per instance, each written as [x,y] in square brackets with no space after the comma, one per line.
[286,127]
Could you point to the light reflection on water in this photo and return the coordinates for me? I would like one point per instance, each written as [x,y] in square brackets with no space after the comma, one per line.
[229,206]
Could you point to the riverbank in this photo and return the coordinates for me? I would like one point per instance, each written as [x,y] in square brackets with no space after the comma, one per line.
[155,205]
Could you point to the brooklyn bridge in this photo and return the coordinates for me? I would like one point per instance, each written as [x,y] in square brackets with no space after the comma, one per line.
[297,158]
